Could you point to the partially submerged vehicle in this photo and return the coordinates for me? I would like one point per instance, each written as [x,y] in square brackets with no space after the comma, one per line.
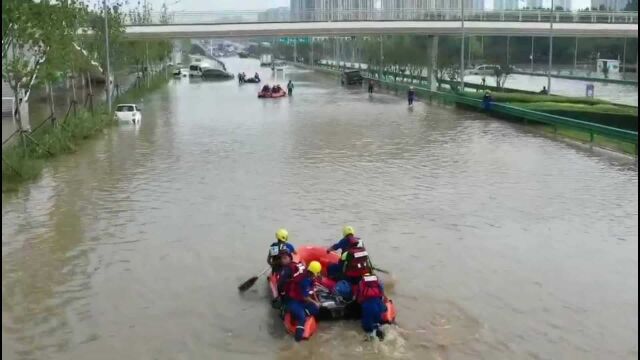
[351,77]
[216,74]
[128,113]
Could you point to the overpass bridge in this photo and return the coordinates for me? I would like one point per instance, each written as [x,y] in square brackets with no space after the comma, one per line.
[376,22]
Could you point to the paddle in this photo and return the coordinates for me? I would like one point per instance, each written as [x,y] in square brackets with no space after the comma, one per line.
[374,268]
[249,283]
[381,270]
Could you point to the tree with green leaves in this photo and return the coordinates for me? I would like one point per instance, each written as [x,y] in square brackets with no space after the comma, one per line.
[37,35]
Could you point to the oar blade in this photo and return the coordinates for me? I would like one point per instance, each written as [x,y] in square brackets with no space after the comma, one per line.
[247,284]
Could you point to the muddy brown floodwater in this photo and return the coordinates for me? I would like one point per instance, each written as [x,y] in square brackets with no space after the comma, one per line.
[503,244]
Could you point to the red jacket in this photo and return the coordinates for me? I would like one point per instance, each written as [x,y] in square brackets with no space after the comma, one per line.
[368,288]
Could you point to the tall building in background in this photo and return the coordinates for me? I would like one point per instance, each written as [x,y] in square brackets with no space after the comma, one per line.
[420,5]
[274,14]
[330,9]
[609,5]
[407,4]
[564,4]
[534,4]
[505,5]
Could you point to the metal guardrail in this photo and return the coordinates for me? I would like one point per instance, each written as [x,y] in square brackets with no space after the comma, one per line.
[408,14]
[581,78]
[544,118]
[530,115]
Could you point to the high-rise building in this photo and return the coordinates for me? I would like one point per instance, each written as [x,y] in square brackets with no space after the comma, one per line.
[546,4]
[505,5]
[562,4]
[402,6]
[320,10]
[274,14]
[609,5]
[534,4]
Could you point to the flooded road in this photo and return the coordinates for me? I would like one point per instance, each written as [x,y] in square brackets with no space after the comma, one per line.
[625,94]
[504,244]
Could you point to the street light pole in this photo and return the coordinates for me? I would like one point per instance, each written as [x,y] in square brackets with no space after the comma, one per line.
[462,47]
[550,49]
[624,57]
[106,40]
[469,53]
[532,53]
[575,55]
[508,52]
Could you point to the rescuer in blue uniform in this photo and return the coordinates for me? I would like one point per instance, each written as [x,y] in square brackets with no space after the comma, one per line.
[299,294]
[370,296]
[281,244]
[354,260]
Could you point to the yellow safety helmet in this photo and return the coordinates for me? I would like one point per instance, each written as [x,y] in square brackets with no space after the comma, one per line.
[348,230]
[282,234]
[315,267]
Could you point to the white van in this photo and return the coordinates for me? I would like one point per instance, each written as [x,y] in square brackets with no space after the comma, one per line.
[195,70]
[483,70]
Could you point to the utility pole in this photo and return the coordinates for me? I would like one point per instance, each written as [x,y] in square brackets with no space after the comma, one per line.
[148,72]
[624,57]
[508,50]
[531,56]
[469,52]
[335,52]
[550,49]
[462,46]
[106,40]
[575,55]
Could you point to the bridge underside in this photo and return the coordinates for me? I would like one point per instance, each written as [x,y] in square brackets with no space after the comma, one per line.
[380,27]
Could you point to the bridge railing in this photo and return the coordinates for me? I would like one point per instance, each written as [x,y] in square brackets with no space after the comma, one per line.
[233,17]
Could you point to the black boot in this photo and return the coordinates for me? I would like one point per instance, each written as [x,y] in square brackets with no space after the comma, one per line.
[380,334]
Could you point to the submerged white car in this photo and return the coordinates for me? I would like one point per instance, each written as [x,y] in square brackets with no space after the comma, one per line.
[128,113]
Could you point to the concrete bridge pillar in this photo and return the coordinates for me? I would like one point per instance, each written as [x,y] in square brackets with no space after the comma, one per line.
[311,43]
[433,64]
[295,51]
[381,67]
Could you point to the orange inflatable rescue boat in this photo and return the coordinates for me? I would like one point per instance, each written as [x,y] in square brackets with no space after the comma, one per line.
[332,306]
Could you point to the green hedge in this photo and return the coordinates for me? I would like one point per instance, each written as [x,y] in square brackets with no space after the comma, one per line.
[605,114]
[536,98]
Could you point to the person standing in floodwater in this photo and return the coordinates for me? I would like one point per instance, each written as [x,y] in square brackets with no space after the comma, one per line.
[486,100]
[290,88]
[370,88]
[411,95]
